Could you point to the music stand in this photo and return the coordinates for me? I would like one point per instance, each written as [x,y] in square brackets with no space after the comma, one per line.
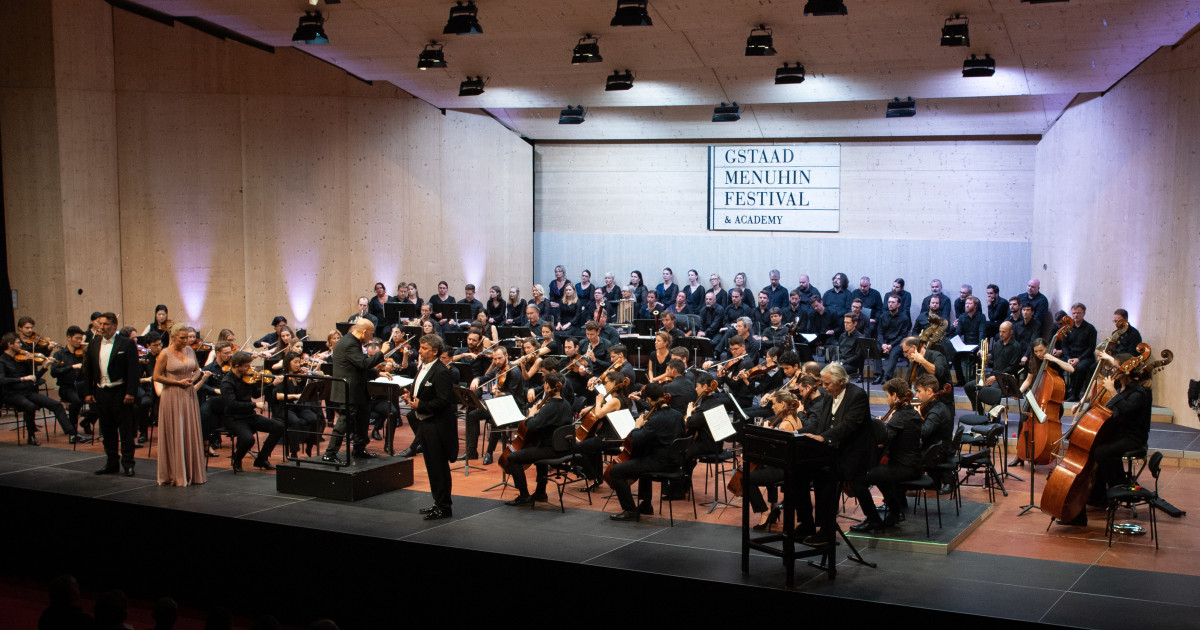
[468,401]
[394,312]
[511,332]
[343,327]
[699,346]
[456,312]
[869,350]
[643,327]
[456,339]
[313,346]
[1010,390]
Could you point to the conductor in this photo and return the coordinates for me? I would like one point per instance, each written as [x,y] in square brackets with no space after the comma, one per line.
[351,363]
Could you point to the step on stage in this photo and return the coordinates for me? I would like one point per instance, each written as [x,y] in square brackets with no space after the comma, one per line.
[375,563]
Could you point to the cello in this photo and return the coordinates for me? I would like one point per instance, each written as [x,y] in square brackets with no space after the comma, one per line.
[1066,492]
[589,424]
[1049,390]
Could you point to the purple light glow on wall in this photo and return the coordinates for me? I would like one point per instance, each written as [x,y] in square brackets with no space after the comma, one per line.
[300,284]
[192,267]
[473,253]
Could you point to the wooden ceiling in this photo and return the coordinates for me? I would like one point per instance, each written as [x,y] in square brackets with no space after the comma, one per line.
[692,59]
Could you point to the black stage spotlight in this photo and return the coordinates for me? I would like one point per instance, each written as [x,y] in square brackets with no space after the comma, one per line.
[975,67]
[471,87]
[727,113]
[431,57]
[587,50]
[572,115]
[825,7]
[760,44]
[618,81]
[462,20]
[631,13]
[789,75]
[901,109]
[311,29]
[954,32]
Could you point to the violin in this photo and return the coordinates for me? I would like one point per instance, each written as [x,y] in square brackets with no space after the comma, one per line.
[36,357]
[754,372]
[258,377]
[165,326]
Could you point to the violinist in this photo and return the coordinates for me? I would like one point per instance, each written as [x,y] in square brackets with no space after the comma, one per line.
[742,327]
[300,418]
[530,362]
[902,448]
[65,369]
[443,297]
[211,406]
[783,408]
[19,378]
[399,357]
[475,354]
[679,385]
[28,339]
[501,379]
[577,368]
[228,337]
[1128,429]
[650,442]
[160,325]
[814,402]
[243,414]
[283,341]
[271,338]
[540,424]
[707,397]
[739,388]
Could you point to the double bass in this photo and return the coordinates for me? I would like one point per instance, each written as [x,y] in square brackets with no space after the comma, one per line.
[1049,390]
[1066,492]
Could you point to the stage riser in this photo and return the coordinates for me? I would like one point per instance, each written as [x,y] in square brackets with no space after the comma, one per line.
[347,483]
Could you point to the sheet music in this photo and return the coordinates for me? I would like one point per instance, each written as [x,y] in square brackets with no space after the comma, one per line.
[622,421]
[718,423]
[809,337]
[398,381]
[504,410]
[600,389]
[959,346]
[1037,411]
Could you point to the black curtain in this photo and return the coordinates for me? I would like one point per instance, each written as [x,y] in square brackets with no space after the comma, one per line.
[7,320]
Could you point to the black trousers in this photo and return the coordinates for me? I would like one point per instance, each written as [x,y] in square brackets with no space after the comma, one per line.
[624,473]
[886,477]
[475,418]
[522,458]
[300,419]
[893,357]
[116,426]
[245,428]
[74,403]
[440,441]
[763,476]
[1109,471]
[357,418]
[29,402]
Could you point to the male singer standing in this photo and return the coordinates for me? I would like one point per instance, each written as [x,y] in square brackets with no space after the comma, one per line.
[433,402]
[109,381]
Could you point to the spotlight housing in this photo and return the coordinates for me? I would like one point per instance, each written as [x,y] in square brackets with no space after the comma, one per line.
[954,32]
[789,75]
[471,87]
[463,20]
[587,50]
[631,13]
[760,43]
[618,81]
[311,29]
[431,57]
[975,67]
[825,7]
[726,112]
[901,109]
[572,115]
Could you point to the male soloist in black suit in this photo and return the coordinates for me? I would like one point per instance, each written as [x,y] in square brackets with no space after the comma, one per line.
[351,363]
[109,381]
[433,402]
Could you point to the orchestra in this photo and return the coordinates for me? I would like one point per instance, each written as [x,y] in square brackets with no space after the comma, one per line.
[572,360]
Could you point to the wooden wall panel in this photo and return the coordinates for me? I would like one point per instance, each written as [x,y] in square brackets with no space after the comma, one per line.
[1117,173]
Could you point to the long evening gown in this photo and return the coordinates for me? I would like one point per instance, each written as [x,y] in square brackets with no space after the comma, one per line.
[181,459]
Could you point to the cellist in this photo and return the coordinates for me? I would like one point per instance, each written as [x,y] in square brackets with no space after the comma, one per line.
[1039,354]
[540,426]
[1128,429]
[651,439]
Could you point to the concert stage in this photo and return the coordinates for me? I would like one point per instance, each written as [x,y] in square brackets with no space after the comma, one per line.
[375,562]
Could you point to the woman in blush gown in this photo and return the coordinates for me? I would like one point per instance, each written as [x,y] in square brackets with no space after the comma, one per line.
[181,459]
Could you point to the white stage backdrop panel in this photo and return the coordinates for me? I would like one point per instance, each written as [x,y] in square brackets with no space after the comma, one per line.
[783,188]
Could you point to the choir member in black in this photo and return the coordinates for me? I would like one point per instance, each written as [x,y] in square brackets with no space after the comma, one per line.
[490,384]
[1004,353]
[1041,306]
[928,361]
[1079,349]
[469,299]
[838,299]
[866,325]
[600,310]
[712,317]
[694,291]
[667,289]
[904,296]
[514,309]
[443,297]
[1128,337]
[741,284]
[680,306]
[212,408]
[739,388]
[821,322]
[902,447]
[558,286]
[736,310]
[871,300]
[585,290]
[415,295]
[651,308]
[375,307]
[401,296]
[795,313]
[841,426]
[495,307]
[762,313]
[242,417]
[846,346]
[996,310]
[651,440]
[612,292]
[943,306]
[806,289]
[1128,429]
[892,326]
[296,417]
[65,369]
[271,338]
[923,319]
[777,296]
[542,421]
[718,291]
[971,328]
[1027,328]
[960,303]
[783,418]
[19,383]
[570,314]
[639,288]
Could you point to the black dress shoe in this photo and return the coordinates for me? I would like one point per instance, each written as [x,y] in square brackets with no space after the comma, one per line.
[878,381]
[438,513]
[364,455]
[892,520]
[375,434]
[1017,462]
[80,439]
[328,457]
[869,525]
[128,472]
[646,508]
[142,439]
[487,458]
[427,510]
[107,471]
[540,496]
[523,499]
[408,452]
[32,441]
[263,464]
[819,539]
[627,515]
[772,516]
[237,465]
